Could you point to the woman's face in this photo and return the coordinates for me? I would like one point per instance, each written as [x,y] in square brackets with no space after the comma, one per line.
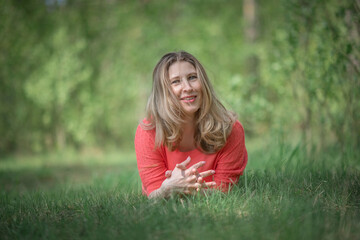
[186,86]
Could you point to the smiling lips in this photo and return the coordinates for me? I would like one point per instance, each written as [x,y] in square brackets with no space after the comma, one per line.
[188,99]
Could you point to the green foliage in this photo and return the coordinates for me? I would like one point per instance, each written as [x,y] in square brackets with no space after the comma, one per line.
[312,61]
[60,88]
[308,74]
[78,74]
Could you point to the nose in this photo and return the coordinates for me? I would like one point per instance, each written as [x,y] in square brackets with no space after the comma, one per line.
[186,85]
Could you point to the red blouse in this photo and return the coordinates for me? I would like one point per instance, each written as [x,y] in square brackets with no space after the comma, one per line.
[228,163]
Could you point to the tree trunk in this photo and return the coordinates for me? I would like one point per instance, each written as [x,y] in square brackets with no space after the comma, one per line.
[250,20]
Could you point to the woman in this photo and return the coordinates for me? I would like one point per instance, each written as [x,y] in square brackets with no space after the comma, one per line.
[186,125]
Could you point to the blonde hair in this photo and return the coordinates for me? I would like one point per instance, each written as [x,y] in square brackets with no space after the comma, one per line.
[165,114]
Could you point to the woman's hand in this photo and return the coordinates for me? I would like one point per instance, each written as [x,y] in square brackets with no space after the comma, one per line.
[187,181]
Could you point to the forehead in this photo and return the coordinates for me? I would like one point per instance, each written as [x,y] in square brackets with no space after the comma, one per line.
[182,68]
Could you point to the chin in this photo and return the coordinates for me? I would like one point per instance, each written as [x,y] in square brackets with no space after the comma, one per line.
[191,111]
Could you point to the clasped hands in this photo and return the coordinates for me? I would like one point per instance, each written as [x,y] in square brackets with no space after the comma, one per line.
[187,180]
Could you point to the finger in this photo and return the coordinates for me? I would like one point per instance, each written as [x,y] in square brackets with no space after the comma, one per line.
[206,173]
[168,173]
[180,166]
[192,178]
[194,186]
[184,163]
[208,184]
[197,165]
[187,192]
[195,173]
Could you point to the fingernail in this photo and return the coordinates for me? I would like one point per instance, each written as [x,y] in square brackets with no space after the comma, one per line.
[213,171]
[203,162]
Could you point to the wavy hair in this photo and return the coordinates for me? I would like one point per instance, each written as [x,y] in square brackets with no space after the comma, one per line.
[164,112]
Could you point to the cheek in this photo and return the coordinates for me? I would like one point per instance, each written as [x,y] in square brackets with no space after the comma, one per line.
[199,88]
[176,90]
[198,85]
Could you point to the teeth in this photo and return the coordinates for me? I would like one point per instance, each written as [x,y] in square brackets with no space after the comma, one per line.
[188,98]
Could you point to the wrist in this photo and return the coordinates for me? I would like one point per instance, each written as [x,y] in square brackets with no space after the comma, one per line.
[165,189]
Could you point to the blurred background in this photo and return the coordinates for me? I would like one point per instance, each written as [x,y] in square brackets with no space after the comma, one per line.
[75,74]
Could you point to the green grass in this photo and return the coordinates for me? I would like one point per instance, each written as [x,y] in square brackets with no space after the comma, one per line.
[285,194]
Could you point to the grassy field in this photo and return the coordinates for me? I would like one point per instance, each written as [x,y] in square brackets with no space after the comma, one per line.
[282,195]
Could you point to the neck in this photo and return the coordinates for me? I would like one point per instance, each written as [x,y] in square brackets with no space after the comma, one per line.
[189,118]
[187,142]
[189,123]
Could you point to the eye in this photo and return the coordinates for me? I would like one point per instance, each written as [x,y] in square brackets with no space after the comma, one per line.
[175,81]
[192,77]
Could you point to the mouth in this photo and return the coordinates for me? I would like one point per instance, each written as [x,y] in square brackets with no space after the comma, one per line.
[189,99]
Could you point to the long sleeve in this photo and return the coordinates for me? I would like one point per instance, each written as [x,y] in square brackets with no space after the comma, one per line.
[232,159]
[151,162]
